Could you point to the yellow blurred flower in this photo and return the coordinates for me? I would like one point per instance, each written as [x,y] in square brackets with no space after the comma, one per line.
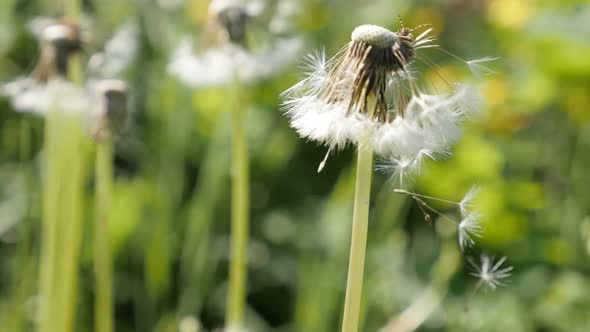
[511,14]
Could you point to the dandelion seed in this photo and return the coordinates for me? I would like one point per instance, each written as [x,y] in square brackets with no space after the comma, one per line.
[323,162]
[469,228]
[466,203]
[478,69]
[367,94]
[490,273]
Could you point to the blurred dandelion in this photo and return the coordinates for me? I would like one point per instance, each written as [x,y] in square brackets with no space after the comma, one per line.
[57,90]
[490,273]
[58,77]
[47,86]
[234,58]
[234,62]
[110,116]
[59,39]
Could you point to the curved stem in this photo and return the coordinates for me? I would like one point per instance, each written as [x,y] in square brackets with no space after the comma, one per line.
[239,217]
[358,243]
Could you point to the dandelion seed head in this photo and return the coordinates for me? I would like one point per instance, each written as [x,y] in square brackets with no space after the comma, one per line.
[230,60]
[367,94]
[375,36]
[110,115]
[490,273]
[233,18]
[64,36]
[58,41]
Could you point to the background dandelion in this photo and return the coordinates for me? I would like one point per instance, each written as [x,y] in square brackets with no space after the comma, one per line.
[527,151]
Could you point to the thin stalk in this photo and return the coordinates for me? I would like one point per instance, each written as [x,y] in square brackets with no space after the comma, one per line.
[358,243]
[51,193]
[103,306]
[73,9]
[236,297]
[70,224]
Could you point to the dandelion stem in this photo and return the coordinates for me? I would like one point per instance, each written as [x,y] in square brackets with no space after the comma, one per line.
[72,9]
[358,243]
[63,185]
[239,215]
[70,224]
[103,314]
[51,191]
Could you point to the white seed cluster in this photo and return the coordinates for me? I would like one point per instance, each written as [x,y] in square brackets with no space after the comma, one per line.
[404,124]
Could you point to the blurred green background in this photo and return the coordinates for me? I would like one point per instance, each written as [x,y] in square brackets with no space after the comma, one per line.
[529,151]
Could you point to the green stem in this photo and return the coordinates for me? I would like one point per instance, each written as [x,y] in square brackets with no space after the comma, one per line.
[103,306]
[51,193]
[72,9]
[63,184]
[239,218]
[70,224]
[358,243]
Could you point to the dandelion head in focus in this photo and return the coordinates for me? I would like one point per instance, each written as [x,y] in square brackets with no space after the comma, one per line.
[110,116]
[489,272]
[368,94]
